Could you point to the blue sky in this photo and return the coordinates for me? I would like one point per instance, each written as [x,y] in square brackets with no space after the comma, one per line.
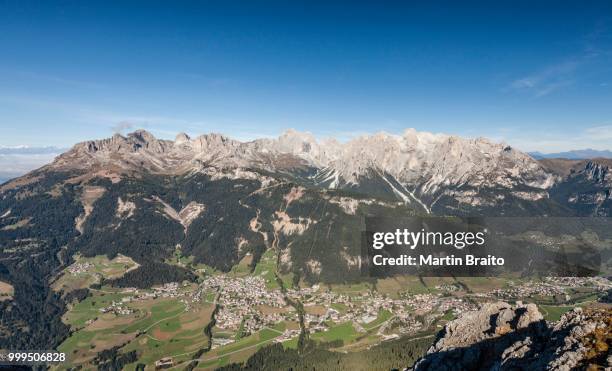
[536,76]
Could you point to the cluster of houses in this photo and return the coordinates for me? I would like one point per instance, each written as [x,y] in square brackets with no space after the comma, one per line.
[243,301]
[247,305]
[78,268]
[597,283]
[287,335]
[526,291]
[168,290]
[118,308]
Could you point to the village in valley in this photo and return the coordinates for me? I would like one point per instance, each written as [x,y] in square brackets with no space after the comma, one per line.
[250,310]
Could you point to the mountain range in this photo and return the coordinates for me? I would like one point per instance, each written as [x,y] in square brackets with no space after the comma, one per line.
[581,154]
[430,172]
[217,200]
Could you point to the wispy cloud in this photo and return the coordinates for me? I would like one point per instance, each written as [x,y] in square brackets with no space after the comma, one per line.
[566,72]
[122,126]
[549,79]
[599,133]
[552,87]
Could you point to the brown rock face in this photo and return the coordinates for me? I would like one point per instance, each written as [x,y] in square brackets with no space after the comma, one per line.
[501,336]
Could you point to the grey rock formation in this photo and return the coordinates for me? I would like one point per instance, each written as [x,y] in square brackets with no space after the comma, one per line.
[501,336]
[434,173]
[415,162]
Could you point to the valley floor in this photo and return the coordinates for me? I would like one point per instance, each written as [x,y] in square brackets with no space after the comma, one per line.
[225,318]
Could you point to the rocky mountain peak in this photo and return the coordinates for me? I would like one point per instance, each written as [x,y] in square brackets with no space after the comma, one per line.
[181,138]
[213,142]
[411,166]
[143,136]
[133,142]
[303,145]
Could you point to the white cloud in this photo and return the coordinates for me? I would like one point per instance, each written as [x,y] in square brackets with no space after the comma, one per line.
[549,79]
[599,133]
[564,73]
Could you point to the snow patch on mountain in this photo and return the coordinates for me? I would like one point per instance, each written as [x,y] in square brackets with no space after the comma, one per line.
[416,166]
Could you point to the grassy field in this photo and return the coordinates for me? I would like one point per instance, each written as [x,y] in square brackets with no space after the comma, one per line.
[483,284]
[424,285]
[291,344]
[383,316]
[266,267]
[187,339]
[98,266]
[554,312]
[350,289]
[106,331]
[242,349]
[243,268]
[396,285]
[342,308]
[155,311]
[448,316]
[171,332]
[189,261]
[89,308]
[344,331]
[157,328]
[350,337]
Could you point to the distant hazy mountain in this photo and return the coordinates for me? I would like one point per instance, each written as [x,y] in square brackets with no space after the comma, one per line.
[26,150]
[18,160]
[580,154]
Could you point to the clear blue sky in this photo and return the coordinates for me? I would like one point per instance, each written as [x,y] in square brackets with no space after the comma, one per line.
[537,76]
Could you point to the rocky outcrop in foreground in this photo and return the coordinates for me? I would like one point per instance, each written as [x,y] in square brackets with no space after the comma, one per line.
[501,336]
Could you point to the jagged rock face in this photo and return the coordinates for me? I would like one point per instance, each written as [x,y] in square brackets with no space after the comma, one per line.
[431,172]
[429,162]
[142,151]
[598,173]
[426,160]
[595,170]
[585,185]
[501,336]
[419,168]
